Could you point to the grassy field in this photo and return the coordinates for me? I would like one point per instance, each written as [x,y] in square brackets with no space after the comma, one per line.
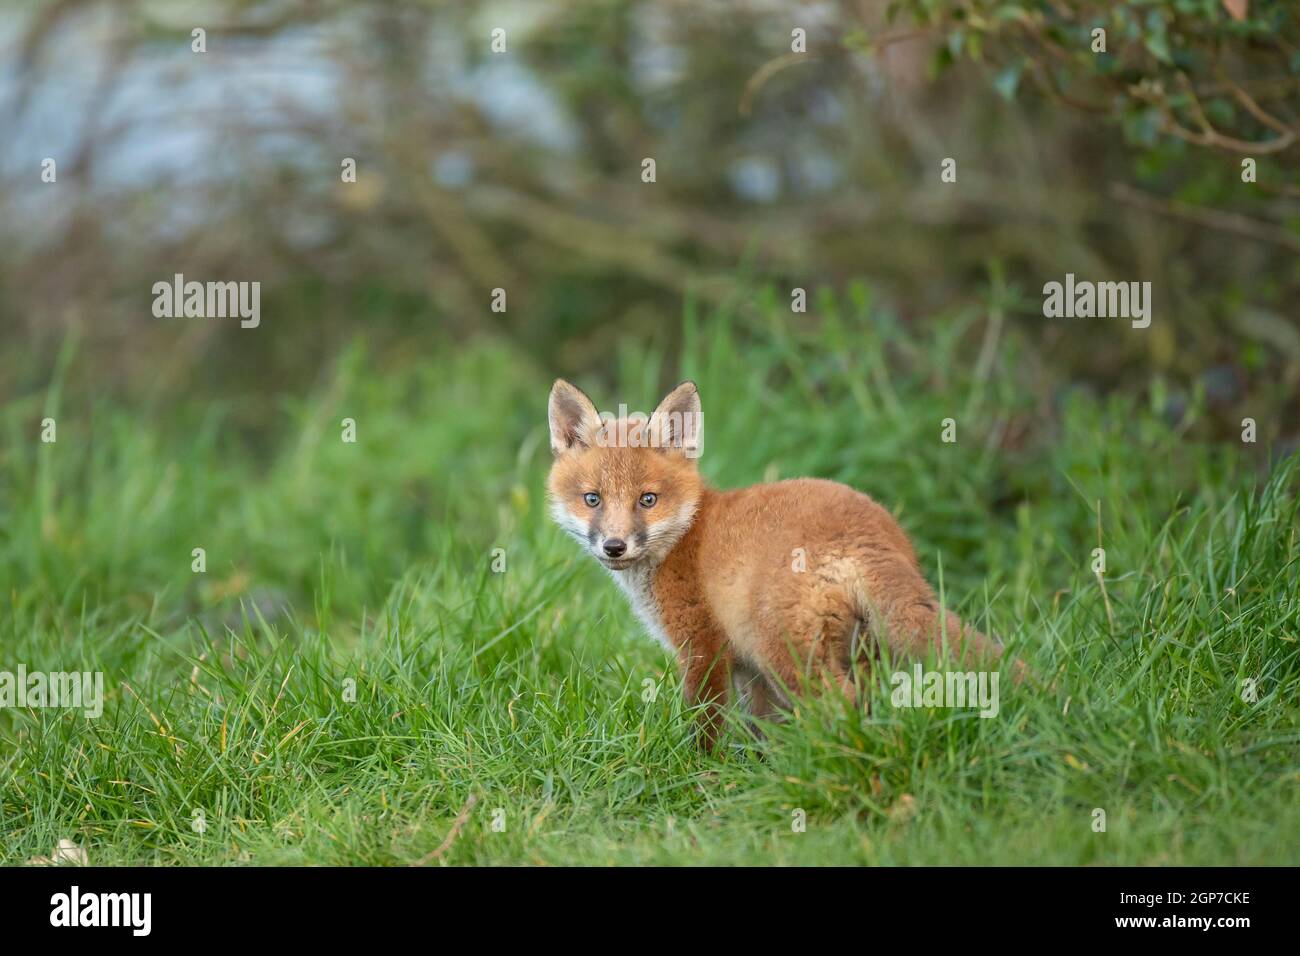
[520,698]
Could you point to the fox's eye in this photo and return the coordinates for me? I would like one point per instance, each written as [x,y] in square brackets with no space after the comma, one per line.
[648,499]
[591,498]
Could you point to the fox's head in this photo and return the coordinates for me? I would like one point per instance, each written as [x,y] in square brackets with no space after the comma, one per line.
[627,488]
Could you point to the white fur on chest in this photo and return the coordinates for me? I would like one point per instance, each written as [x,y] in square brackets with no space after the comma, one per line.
[637,583]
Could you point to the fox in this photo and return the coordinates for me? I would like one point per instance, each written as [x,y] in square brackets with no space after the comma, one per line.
[757,591]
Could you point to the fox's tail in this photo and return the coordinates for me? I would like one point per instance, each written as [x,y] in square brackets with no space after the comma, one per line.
[911,623]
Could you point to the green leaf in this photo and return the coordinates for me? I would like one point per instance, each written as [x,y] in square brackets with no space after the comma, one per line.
[1157,38]
[1158,45]
[1008,81]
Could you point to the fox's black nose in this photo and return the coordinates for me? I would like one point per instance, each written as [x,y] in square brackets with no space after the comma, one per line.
[615,547]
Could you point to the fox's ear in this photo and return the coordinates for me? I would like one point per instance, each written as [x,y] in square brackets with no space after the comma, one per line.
[574,419]
[676,424]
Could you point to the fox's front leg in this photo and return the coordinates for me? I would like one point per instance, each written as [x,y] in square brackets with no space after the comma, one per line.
[706,678]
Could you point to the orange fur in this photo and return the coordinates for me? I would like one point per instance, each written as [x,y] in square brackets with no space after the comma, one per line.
[770,586]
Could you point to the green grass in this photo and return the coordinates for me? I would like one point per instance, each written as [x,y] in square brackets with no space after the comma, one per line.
[371,562]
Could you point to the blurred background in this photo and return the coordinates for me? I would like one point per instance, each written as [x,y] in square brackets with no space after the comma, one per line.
[522,170]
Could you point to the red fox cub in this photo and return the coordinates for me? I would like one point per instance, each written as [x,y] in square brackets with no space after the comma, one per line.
[766,586]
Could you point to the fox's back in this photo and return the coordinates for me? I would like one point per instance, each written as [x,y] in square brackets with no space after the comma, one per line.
[803,541]
[763,526]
